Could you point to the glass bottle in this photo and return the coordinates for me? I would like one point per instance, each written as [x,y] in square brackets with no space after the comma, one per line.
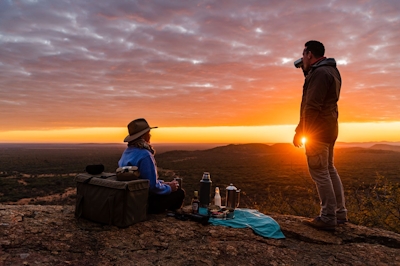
[217,197]
[195,202]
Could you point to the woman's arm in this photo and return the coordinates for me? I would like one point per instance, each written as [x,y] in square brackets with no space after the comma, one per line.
[148,170]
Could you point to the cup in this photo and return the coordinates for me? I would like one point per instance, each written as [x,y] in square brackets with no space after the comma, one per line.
[179,180]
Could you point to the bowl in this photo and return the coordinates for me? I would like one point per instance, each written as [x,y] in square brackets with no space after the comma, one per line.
[221,213]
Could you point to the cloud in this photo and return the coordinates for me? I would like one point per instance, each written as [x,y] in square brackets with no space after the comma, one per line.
[208,63]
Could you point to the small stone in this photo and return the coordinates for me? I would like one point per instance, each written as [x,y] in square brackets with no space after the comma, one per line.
[231,250]
[24,255]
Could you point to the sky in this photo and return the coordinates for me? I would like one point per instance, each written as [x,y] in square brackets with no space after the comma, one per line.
[202,71]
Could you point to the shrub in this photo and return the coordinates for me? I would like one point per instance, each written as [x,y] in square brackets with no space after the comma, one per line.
[372,205]
[376,205]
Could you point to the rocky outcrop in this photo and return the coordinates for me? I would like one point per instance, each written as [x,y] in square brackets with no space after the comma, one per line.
[50,235]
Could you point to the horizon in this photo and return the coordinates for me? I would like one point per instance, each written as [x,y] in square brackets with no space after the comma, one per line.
[205,72]
[337,145]
[348,132]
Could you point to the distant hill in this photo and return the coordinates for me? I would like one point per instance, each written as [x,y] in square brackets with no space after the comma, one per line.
[386,147]
[280,148]
[376,149]
[254,148]
[283,148]
[363,144]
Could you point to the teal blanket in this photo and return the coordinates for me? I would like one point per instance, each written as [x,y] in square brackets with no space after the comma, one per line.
[261,224]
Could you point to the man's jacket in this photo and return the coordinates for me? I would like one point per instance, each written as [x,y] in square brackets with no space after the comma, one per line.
[319,110]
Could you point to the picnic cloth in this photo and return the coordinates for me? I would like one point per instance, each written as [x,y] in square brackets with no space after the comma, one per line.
[261,224]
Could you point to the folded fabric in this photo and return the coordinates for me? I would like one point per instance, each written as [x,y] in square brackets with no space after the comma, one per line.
[261,224]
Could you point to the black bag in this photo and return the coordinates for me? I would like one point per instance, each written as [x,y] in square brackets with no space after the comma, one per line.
[94,169]
[101,198]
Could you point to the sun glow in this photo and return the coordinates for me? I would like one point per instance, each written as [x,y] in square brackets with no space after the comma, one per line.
[303,140]
[349,132]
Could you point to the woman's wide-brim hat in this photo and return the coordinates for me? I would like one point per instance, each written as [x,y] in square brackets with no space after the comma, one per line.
[137,128]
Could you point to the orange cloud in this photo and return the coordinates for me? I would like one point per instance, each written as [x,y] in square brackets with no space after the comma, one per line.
[185,65]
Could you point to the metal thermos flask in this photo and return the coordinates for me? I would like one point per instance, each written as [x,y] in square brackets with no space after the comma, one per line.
[232,196]
[205,190]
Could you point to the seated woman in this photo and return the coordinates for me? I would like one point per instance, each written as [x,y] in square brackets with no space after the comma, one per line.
[162,195]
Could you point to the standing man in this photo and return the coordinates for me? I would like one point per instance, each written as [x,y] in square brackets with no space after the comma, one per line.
[319,125]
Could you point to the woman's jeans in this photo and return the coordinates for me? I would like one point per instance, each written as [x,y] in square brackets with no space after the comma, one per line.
[160,203]
[327,180]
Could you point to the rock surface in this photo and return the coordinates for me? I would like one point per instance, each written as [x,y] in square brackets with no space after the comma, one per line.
[50,235]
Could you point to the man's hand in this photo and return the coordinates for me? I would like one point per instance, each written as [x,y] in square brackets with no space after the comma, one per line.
[305,72]
[297,140]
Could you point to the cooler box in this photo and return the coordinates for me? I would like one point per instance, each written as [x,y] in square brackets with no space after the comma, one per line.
[103,199]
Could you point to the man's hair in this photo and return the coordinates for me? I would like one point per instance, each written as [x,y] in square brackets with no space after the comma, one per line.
[316,48]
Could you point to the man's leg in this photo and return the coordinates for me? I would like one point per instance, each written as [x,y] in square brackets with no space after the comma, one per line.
[341,211]
[317,158]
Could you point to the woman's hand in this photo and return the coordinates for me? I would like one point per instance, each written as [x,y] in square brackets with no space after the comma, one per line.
[174,185]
